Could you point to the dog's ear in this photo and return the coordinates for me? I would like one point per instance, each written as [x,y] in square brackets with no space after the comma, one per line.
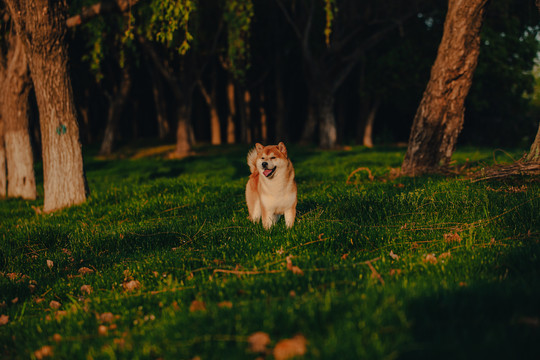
[259,147]
[281,147]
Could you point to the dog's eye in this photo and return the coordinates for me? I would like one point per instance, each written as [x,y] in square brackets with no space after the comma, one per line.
[273,157]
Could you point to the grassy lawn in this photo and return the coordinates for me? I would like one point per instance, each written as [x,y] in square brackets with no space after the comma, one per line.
[162,262]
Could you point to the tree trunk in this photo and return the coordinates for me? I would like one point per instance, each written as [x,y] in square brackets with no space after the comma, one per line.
[3,179]
[534,152]
[210,97]
[183,136]
[281,113]
[231,128]
[161,106]
[365,127]
[264,118]
[116,105]
[327,122]
[42,27]
[439,118]
[21,181]
[245,115]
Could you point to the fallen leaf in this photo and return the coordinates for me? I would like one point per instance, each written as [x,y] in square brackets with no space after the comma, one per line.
[197,305]
[289,262]
[430,258]
[55,305]
[394,272]
[344,256]
[289,348]
[45,351]
[132,285]
[258,342]
[50,264]
[102,330]
[57,337]
[444,255]
[84,270]
[393,256]
[15,300]
[107,317]
[452,237]
[86,289]
[60,314]
[225,304]
[4,319]
[292,293]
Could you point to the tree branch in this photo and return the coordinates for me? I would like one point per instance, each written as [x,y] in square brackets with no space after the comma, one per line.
[89,12]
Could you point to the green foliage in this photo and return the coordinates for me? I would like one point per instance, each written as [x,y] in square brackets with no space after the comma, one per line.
[464,283]
[330,9]
[169,23]
[238,14]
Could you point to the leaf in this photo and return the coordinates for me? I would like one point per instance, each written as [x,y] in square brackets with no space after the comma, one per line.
[55,305]
[393,256]
[131,285]
[258,342]
[86,289]
[102,330]
[106,317]
[4,319]
[225,304]
[197,305]
[45,351]
[452,237]
[50,264]
[289,348]
[430,258]
[57,337]
[85,270]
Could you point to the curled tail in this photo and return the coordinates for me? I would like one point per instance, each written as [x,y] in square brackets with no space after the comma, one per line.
[252,160]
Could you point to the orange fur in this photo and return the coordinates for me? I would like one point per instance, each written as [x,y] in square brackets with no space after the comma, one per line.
[273,194]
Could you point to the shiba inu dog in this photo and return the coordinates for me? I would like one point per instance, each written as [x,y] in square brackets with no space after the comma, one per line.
[271,189]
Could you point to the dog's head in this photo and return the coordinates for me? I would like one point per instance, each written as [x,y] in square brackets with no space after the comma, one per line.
[271,159]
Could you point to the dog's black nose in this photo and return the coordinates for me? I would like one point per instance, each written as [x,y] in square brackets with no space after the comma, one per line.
[264,164]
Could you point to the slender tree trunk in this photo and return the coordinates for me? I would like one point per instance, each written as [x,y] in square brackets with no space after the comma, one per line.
[365,127]
[439,118]
[534,152]
[3,178]
[116,106]
[160,105]
[327,122]
[231,128]
[245,115]
[21,181]
[264,118]
[210,97]
[183,136]
[42,27]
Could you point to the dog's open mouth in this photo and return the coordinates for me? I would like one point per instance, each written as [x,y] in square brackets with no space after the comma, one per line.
[269,172]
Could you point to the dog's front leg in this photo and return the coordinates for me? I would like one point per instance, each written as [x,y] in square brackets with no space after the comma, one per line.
[268,219]
[290,215]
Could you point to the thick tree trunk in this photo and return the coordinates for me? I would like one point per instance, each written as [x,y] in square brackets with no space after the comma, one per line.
[231,128]
[183,136]
[42,27]
[3,178]
[534,152]
[160,105]
[21,181]
[439,118]
[116,106]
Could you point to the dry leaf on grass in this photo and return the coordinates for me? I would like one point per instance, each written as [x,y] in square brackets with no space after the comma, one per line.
[452,237]
[85,270]
[258,342]
[107,317]
[393,256]
[55,305]
[394,272]
[86,289]
[57,337]
[430,258]
[50,264]
[102,330]
[4,319]
[295,269]
[197,305]
[45,351]
[225,304]
[131,285]
[289,348]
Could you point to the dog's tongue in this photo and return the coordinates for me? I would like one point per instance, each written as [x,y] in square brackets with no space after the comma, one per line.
[267,172]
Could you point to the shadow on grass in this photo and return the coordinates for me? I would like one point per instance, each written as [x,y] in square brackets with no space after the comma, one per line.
[495,320]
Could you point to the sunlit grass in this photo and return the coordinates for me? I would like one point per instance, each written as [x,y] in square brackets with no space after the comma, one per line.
[428,267]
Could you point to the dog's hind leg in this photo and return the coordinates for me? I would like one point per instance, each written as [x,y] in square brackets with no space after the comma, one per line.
[290,215]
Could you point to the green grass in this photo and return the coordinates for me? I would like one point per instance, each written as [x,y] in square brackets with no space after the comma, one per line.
[180,229]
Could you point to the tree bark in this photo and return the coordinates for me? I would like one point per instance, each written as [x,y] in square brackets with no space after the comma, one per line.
[41,25]
[210,97]
[3,178]
[116,105]
[439,118]
[21,181]
[160,104]
[534,152]
[245,115]
[264,117]
[231,127]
